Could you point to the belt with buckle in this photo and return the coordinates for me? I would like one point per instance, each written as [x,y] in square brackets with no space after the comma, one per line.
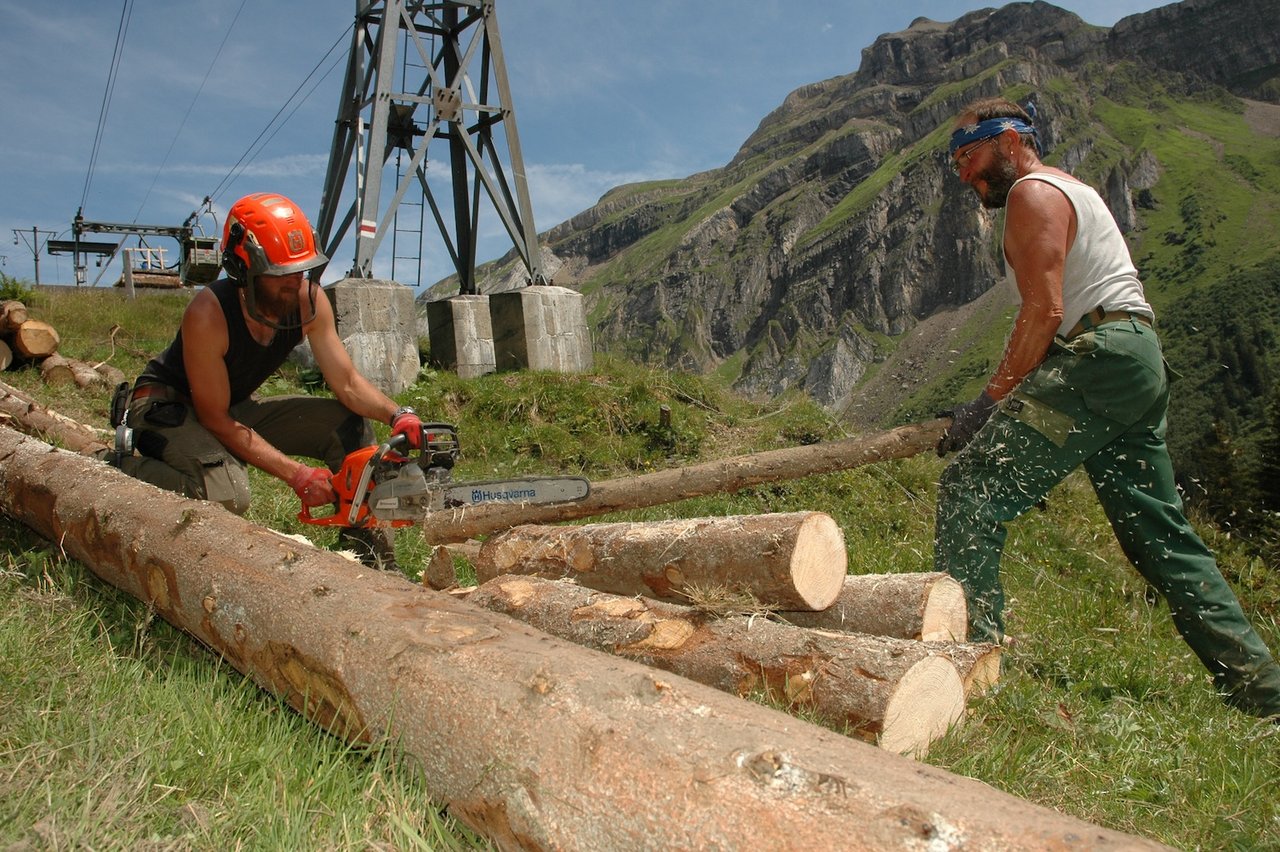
[1098,316]
[159,391]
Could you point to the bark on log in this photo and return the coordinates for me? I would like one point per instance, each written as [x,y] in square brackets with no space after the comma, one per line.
[84,374]
[12,314]
[927,606]
[112,375]
[793,560]
[35,340]
[899,692]
[6,356]
[635,761]
[977,662]
[439,573]
[671,486]
[28,416]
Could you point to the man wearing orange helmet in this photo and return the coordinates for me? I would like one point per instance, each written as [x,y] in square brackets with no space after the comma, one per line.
[195,418]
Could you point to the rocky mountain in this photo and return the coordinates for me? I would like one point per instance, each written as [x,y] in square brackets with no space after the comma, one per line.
[836,254]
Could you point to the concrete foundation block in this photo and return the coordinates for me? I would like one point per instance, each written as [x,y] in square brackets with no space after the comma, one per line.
[461,335]
[377,321]
[541,328]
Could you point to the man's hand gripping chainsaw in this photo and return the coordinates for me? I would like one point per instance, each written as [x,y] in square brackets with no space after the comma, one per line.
[377,486]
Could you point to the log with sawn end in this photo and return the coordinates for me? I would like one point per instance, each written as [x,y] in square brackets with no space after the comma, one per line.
[637,758]
[902,693]
[12,314]
[792,560]
[34,340]
[671,486]
[929,606]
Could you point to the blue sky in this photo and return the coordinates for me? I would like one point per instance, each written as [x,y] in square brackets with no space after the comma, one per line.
[605,92]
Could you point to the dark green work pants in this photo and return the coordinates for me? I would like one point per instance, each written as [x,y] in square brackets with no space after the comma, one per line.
[1098,400]
[178,454]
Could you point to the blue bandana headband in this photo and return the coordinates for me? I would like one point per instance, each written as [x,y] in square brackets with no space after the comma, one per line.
[986,129]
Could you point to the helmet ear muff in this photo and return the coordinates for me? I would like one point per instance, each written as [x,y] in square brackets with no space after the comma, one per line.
[232,262]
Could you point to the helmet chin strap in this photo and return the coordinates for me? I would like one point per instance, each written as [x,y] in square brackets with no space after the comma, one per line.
[250,288]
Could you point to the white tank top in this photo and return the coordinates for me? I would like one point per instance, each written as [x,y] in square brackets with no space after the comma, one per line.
[1099,271]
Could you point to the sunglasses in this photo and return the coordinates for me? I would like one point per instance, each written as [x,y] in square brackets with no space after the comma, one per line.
[962,160]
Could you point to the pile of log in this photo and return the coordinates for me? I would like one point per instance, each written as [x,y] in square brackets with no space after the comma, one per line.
[534,742]
[881,655]
[24,340]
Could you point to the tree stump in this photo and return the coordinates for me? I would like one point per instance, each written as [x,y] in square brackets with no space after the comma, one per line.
[793,560]
[927,606]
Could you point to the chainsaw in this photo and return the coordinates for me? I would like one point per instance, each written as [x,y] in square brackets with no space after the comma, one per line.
[379,486]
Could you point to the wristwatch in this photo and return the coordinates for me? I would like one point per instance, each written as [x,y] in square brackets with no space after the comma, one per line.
[402,410]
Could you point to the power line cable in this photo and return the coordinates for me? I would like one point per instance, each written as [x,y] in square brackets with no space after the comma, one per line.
[260,142]
[207,74]
[122,30]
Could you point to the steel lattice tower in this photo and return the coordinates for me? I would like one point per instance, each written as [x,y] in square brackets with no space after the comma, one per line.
[452,94]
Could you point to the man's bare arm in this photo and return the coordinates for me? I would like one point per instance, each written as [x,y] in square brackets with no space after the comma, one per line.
[204,345]
[1038,234]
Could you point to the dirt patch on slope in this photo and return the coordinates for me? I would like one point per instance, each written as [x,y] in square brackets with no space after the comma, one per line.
[1262,117]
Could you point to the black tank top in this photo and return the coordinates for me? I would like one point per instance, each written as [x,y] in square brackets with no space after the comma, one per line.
[249,363]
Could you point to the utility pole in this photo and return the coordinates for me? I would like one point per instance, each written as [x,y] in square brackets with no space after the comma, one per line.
[449,85]
[34,244]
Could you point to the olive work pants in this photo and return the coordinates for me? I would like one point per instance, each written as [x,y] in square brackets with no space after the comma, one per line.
[178,454]
[1098,400]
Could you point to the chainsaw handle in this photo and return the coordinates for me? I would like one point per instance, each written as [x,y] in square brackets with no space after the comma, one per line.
[366,476]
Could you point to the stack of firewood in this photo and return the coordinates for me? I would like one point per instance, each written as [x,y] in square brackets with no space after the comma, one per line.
[24,340]
[754,605]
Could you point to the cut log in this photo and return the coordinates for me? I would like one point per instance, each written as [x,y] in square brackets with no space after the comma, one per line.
[532,741]
[793,560]
[670,486]
[927,606]
[28,416]
[112,375]
[85,375]
[892,690]
[6,356]
[12,314]
[56,370]
[977,662]
[34,340]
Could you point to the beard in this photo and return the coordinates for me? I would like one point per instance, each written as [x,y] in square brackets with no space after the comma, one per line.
[282,308]
[999,177]
[277,305]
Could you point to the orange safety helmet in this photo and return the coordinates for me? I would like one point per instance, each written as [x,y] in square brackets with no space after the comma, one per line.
[267,234]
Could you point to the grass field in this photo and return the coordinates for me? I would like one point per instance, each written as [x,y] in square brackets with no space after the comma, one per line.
[118,731]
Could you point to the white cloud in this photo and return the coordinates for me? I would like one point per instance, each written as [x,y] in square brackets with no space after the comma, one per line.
[560,191]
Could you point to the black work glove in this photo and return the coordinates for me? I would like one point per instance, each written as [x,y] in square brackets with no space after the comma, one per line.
[966,419]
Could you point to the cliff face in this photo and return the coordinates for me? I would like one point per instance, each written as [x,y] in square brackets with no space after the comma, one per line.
[838,228]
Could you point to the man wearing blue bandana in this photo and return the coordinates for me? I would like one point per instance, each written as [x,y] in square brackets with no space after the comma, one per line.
[1081,382]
